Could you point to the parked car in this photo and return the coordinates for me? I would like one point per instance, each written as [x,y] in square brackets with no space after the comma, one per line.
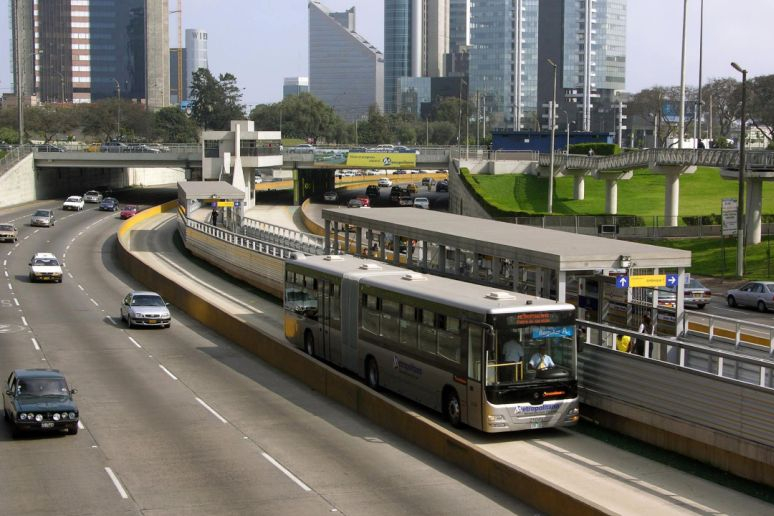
[109,204]
[49,148]
[303,148]
[43,218]
[114,146]
[8,232]
[422,202]
[45,267]
[758,294]
[74,202]
[92,196]
[129,211]
[142,308]
[442,186]
[384,182]
[39,400]
[331,196]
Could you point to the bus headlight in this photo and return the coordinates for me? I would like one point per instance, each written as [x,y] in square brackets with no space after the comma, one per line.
[496,420]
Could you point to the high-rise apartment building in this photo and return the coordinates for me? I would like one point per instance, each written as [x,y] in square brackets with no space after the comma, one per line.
[177,95]
[345,70]
[295,86]
[511,43]
[459,24]
[195,56]
[85,50]
[416,43]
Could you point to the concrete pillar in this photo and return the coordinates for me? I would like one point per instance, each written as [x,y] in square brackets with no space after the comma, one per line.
[611,196]
[359,242]
[335,238]
[425,252]
[753,214]
[327,246]
[396,249]
[671,198]
[579,187]
[561,287]
[442,259]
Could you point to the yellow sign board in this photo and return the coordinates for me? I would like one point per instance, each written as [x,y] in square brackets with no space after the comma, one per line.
[225,204]
[650,280]
[382,159]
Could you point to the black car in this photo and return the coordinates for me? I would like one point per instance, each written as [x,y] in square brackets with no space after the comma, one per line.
[442,186]
[372,191]
[39,400]
[49,148]
[109,204]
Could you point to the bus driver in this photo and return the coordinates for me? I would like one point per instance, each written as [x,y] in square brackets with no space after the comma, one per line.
[540,360]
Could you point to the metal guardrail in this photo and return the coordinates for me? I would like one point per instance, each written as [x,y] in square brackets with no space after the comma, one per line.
[285,237]
[13,156]
[729,330]
[245,242]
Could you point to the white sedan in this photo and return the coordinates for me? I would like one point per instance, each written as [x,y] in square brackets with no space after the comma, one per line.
[74,202]
[384,182]
[422,202]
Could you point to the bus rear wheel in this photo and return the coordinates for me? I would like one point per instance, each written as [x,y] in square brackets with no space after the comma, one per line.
[372,374]
[451,407]
[309,343]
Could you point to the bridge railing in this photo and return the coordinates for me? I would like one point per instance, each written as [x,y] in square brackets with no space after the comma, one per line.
[738,332]
[13,156]
[723,158]
[285,237]
[239,240]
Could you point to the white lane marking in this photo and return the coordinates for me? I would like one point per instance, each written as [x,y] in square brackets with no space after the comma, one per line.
[112,320]
[24,321]
[36,230]
[168,372]
[95,303]
[290,475]
[16,301]
[9,253]
[116,483]
[220,292]
[10,287]
[6,273]
[25,238]
[35,343]
[70,275]
[135,342]
[80,425]
[80,287]
[5,262]
[211,410]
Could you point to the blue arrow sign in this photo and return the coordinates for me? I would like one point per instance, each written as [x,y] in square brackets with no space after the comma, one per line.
[622,281]
[671,280]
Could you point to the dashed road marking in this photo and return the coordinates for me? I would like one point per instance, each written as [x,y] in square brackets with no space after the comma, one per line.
[211,410]
[92,300]
[135,342]
[35,343]
[116,483]
[282,468]
[169,373]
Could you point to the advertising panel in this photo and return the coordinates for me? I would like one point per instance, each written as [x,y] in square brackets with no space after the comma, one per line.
[382,159]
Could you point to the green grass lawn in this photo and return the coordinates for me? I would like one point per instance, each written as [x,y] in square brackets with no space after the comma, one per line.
[643,195]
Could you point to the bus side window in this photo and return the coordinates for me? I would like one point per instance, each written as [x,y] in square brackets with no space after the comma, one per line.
[408,326]
[370,313]
[474,352]
[427,333]
[389,320]
[449,341]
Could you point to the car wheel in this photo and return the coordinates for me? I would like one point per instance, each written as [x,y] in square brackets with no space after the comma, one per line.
[731,301]
[762,307]
[73,430]
[32,280]
[451,407]
[128,322]
[372,374]
[309,343]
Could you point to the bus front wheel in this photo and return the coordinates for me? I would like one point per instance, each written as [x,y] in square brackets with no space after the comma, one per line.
[451,407]
[372,374]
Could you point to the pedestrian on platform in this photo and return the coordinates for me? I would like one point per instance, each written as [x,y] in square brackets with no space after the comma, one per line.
[214,216]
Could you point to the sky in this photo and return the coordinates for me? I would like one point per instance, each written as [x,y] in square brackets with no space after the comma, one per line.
[263,41]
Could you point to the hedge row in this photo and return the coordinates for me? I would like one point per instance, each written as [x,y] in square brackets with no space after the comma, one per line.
[600,149]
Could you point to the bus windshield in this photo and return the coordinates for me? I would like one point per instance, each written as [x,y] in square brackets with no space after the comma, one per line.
[530,347]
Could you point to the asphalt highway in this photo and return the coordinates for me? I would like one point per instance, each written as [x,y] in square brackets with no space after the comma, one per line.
[180,421]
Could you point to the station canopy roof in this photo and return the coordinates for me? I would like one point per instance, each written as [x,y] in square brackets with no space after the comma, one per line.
[209,190]
[558,250]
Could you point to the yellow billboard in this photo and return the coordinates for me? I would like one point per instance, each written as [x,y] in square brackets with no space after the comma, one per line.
[649,280]
[382,159]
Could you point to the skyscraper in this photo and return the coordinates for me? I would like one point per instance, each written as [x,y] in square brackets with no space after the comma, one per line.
[85,50]
[295,86]
[345,70]
[195,55]
[398,43]
[459,24]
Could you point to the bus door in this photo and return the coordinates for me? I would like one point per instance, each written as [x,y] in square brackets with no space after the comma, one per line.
[475,397]
[331,332]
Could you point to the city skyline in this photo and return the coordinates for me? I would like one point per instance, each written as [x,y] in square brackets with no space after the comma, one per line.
[653,40]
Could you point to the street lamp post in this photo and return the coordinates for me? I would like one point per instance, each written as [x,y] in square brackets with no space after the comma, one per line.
[552,117]
[567,147]
[740,201]
[681,134]
[118,116]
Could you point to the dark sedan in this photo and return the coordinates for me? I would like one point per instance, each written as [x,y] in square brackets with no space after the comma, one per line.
[109,204]
[39,400]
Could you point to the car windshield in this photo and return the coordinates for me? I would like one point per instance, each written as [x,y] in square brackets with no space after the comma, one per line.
[147,300]
[45,262]
[694,284]
[92,192]
[73,199]
[130,208]
[41,213]
[42,387]
[6,227]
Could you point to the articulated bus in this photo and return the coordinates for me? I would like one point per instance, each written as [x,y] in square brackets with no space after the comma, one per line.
[496,361]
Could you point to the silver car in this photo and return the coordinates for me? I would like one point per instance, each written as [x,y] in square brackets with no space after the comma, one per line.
[8,233]
[759,294]
[694,294]
[142,308]
[44,218]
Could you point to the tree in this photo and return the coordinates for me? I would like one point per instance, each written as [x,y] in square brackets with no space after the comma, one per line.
[51,121]
[171,125]
[215,102]
[110,119]
[375,129]
[760,108]
[724,97]
[302,116]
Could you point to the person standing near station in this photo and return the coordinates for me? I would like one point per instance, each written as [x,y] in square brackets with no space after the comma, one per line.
[214,216]
[646,327]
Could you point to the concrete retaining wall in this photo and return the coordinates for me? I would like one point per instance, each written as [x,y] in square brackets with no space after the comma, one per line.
[461,201]
[17,185]
[350,393]
[154,176]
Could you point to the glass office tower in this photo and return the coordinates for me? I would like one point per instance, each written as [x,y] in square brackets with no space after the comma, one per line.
[397,48]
